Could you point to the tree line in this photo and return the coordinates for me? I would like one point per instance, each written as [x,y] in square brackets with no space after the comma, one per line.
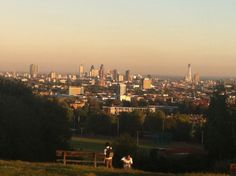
[31,127]
[95,121]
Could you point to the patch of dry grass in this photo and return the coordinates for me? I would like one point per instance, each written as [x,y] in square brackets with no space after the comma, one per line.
[19,168]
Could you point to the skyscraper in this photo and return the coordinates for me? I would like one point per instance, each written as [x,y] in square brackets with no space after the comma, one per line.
[93,72]
[121,89]
[81,71]
[188,77]
[33,70]
[127,75]
[101,72]
[196,78]
[115,75]
[120,78]
[92,68]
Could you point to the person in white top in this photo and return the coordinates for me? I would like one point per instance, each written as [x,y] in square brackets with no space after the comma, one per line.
[127,162]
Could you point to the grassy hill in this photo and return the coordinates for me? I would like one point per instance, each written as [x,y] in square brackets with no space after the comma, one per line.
[19,168]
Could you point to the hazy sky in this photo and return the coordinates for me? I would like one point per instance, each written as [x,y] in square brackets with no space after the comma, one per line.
[145,36]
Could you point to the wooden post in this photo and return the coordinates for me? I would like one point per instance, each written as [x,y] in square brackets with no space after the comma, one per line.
[64,158]
[95,160]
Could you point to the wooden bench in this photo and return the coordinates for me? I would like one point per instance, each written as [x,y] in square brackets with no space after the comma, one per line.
[79,157]
[233,169]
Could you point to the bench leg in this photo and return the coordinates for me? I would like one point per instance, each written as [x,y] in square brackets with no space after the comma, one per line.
[64,159]
[95,160]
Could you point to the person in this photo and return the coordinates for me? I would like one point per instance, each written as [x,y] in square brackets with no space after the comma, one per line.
[108,153]
[127,162]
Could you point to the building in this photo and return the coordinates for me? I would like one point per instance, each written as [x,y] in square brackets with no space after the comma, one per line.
[101,72]
[77,104]
[93,72]
[196,78]
[115,110]
[128,76]
[188,77]
[53,75]
[115,75]
[120,78]
[33,70]
[75,90]
[71,77]
[125,98]
[147,83]
[121,90]
[102,83]
[81,71]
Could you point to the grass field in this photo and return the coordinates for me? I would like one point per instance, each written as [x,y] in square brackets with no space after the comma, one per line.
[97,144]
[89,144]
[19,168]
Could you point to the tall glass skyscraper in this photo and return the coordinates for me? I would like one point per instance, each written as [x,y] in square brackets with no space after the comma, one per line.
[33,70]
[188,77]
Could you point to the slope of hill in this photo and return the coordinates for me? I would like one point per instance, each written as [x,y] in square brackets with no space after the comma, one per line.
[19,168]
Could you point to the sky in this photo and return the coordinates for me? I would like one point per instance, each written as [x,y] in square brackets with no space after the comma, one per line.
[145,36]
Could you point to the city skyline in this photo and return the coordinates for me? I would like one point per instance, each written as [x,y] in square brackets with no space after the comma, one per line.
[147,37]
[94,70]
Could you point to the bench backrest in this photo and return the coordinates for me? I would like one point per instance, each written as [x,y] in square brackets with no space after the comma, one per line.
[81,155]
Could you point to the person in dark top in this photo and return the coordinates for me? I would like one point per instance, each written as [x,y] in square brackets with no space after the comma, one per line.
[108,153]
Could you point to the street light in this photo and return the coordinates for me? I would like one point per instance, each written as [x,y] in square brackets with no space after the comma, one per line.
[137,140]
[81,131]
[118,124]
[163,125]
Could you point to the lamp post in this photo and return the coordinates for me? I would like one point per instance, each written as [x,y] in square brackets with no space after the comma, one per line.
[118,126]
[81,131]
[163,125]
[137,140]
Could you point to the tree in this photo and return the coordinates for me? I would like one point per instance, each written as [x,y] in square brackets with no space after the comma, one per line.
[94,105]
[131,122]
[70,113]
[99,124]
[154,121]
[219,139]
[81,115]
[183,127]
[31,128]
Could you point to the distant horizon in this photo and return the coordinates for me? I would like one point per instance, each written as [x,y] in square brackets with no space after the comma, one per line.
[123,72]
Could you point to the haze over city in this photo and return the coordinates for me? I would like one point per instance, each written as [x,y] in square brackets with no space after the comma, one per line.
[147,37]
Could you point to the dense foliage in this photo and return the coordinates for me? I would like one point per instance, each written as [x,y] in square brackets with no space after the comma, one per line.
[131,122]
[31,127]
[179,126]
[220,138]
